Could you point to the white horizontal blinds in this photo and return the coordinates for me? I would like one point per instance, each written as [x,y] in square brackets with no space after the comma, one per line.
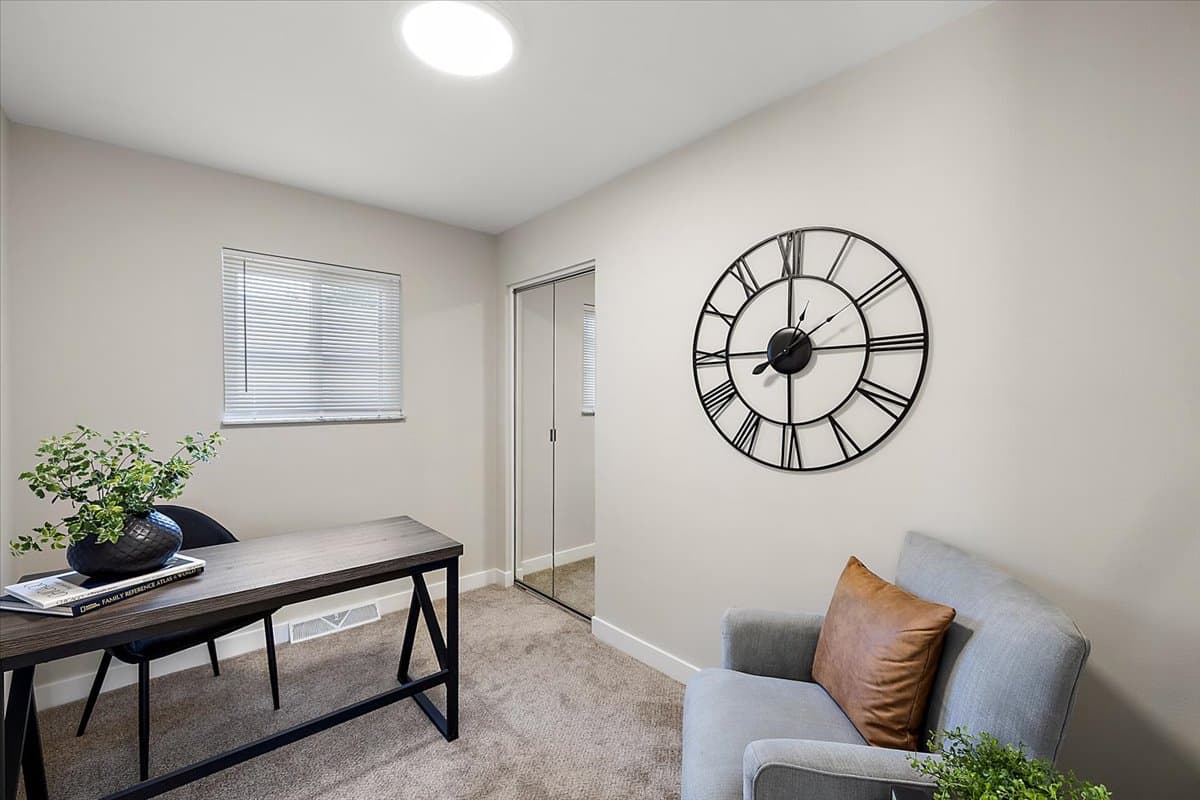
[309,342]
[589,359]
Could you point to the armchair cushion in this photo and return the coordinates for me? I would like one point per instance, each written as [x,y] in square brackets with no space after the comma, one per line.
[792,769]
[724,711]
[770,643]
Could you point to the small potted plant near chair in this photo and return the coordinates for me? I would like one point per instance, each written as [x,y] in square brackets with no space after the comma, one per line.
[982,768]
[111,484]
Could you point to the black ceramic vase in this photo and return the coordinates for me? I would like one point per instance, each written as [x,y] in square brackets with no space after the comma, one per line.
[148,542]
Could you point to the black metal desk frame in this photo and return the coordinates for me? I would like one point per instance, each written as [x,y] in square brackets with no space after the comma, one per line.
[22,740]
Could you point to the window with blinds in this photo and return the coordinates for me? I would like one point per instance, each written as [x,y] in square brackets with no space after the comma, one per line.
[309,342]
[589,359]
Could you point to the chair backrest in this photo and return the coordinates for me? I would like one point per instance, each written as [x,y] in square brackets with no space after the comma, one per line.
[1011,661]
[199,529]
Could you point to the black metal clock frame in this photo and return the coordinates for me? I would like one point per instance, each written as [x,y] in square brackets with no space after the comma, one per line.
[894,404]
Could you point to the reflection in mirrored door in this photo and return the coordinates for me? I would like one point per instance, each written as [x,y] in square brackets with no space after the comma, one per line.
[574,447]
[554,399]
[535,451]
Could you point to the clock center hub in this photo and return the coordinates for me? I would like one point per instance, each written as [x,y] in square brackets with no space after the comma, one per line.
[789,350]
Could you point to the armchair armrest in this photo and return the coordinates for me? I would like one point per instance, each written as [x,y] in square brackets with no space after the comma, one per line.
[801,769]
[770,643]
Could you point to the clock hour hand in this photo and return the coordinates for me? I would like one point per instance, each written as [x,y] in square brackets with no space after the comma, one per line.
[797,336]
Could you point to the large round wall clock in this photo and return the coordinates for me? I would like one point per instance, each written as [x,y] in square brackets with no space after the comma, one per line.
[810,349]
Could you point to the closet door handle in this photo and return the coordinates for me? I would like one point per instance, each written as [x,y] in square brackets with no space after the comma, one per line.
[553,435]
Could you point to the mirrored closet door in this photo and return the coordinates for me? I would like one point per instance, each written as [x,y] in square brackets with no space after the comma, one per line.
[555,440]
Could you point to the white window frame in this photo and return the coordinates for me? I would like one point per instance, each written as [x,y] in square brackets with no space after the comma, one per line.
[387,405]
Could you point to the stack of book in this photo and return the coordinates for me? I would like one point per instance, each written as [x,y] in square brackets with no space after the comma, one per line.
[69,594]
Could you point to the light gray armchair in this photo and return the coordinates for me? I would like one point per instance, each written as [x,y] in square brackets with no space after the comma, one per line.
[760,729]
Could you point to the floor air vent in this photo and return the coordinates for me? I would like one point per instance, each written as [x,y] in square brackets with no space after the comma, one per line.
[332,623]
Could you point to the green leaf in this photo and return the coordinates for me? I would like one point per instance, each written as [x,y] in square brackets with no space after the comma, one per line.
[105,481]
[982,768]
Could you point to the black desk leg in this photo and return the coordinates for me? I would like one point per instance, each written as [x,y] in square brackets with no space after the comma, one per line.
[410,637]
[444,647]
[31,762]
[452,650]
[22,739]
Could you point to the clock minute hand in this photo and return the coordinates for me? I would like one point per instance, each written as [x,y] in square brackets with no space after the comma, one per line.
[830,318]
[799,336]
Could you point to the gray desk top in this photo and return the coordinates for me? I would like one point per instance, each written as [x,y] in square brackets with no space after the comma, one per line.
[239,578]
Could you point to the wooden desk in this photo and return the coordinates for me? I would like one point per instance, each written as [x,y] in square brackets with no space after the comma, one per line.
[243,578]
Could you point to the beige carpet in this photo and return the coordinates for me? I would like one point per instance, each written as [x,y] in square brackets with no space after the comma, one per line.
[547,712]
[573,584]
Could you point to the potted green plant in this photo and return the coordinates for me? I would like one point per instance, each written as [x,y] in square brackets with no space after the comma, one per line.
[982,768]
[111,485]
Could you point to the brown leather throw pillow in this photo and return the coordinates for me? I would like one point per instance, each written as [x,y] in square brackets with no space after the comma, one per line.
[878,653]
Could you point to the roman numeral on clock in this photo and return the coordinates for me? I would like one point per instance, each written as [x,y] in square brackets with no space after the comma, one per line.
[709,308]
[884,283]
[791,249]
[890,402]
[789,449]
[718,399]
[841,256]
[747,435]
[706,359]
[882,344]
[742,274]
[848,445]
[901,341]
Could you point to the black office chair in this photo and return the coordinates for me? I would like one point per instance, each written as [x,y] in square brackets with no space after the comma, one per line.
[199,530]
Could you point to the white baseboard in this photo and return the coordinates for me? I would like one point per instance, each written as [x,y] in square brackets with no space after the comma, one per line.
[561,557]
[398,601]
[76,687]
[650,655]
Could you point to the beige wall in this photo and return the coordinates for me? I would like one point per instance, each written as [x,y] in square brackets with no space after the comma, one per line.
[1035,168]
[114,303]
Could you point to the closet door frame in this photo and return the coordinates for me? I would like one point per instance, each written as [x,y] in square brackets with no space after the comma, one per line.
[513,439]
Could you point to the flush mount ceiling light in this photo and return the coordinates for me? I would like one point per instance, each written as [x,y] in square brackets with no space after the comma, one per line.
[462,38]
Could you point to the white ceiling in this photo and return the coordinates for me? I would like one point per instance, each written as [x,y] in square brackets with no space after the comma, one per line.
[318,94]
